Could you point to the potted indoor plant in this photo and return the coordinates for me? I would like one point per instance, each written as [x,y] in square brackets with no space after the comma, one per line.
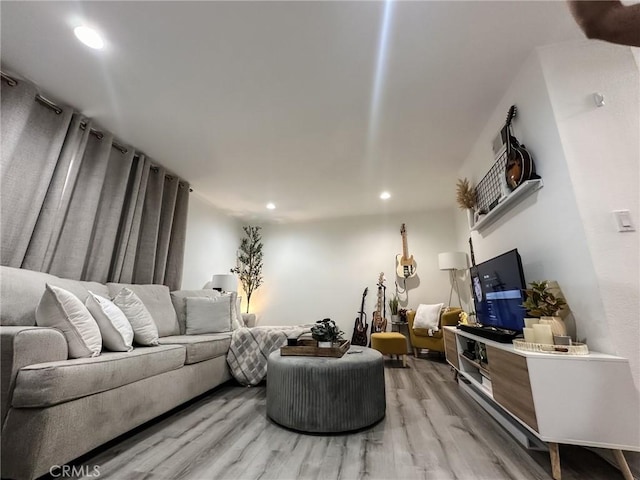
[249,269]
[467,198]
[394,303]
[542,303]
[325,332]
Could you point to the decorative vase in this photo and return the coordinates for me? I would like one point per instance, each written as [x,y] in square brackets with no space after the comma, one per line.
[325,344]
[558,327]
[470,218]
[395,318]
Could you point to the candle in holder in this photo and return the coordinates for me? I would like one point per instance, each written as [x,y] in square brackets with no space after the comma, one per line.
[543,333]
[529,334]
[530,322]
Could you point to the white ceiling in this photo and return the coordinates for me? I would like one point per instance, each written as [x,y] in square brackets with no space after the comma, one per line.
[256,102]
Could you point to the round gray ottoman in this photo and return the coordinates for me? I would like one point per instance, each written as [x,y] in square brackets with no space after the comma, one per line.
[323,395]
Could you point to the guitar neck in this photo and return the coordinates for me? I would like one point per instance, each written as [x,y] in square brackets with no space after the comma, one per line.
[405,248]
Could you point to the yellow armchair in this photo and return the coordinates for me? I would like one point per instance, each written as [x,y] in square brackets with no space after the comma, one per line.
[420,337]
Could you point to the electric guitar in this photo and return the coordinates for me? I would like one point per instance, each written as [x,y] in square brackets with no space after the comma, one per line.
[519,166]
[405,264]
[379,323]
[360,328]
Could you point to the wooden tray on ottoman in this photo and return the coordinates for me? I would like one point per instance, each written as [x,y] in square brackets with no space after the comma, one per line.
[309,348]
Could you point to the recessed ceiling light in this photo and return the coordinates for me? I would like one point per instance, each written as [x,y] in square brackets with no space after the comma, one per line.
[385,195]
[89,37]
[271,206]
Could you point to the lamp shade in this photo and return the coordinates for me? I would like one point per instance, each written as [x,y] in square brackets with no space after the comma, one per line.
[452,261]
[226,282]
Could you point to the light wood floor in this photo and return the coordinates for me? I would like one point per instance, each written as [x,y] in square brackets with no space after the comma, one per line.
[432,430]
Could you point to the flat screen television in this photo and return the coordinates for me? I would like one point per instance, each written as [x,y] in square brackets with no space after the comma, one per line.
[498,295]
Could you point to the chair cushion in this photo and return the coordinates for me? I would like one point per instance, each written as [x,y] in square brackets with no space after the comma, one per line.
[158,301]
[46,384]
[200,347]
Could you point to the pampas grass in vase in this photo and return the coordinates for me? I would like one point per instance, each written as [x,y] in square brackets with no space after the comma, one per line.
[467,197]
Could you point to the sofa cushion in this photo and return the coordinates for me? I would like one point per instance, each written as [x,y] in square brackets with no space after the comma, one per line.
[145,331]
[20,293]
[46,384]
[158,301]
[61,309]
[201,347]
[208,315]
[178,298]
[116,331]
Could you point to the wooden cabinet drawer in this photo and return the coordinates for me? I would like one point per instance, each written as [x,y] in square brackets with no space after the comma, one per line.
[451,348]
[511,385]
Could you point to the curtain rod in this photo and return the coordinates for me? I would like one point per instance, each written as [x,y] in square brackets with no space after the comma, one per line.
[12,82]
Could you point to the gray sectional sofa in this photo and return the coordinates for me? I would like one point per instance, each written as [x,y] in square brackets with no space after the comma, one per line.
[55,409]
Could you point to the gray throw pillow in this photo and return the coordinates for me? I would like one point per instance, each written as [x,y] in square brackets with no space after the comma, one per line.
[208,315]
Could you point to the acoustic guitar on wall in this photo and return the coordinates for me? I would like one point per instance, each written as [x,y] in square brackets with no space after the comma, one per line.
[519,166]
[405,264]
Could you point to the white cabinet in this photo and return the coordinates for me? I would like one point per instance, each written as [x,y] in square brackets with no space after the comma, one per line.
[588,400]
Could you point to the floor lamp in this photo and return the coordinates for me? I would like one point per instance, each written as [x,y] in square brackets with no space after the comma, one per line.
[453,261]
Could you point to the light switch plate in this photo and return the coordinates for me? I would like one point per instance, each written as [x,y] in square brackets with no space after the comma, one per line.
[623,221]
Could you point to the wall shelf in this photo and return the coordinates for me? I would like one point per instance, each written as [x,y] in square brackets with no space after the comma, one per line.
[515,197]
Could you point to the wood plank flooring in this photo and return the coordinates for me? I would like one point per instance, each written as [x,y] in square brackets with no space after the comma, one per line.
[432,430]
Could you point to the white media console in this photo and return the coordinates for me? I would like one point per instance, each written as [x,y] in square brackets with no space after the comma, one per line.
[587,400]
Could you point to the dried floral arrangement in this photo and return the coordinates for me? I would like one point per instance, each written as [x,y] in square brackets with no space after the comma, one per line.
[465,194]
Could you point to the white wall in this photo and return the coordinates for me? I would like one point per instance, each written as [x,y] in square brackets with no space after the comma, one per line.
[602,150]
[553,230]
[320,269]
[211,243]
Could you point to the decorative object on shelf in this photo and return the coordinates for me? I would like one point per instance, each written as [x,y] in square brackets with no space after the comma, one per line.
[529,322]
[542,303]
[453,261]
[529,334]
[519,166]
[466,197]
[224,282]
[542,333]
[307,347]
[402,315]
[393,308]
[249,268]
[467,318]
[405,264]
[360,327]
[573,349]
[498,209]
[326,332]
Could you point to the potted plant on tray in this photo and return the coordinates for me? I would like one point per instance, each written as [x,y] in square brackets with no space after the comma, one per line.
[543,304]
[325,332]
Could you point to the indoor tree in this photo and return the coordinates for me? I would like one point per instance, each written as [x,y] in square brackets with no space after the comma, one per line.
[249,268]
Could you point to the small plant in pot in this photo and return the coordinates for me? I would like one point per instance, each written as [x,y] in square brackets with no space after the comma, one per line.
[543,304]
[325,332]
[394,304]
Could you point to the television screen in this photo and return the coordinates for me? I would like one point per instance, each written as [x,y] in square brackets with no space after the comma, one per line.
[497,286]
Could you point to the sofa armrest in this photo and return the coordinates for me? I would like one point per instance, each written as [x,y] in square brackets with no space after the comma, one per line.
[249,319]
[22,346]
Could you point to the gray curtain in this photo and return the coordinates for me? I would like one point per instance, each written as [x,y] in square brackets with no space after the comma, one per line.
[77,204]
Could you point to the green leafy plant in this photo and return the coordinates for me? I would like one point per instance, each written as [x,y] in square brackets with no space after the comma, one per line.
[326,330]
[393,305]
[540,302]
[249,268]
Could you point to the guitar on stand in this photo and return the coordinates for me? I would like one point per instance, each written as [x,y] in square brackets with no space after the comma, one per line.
[360,328]
[405,264]
[379,322]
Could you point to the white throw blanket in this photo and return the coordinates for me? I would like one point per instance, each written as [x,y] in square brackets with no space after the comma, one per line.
[428,317]
[250,349]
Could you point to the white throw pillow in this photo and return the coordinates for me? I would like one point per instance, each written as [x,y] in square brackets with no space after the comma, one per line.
[428,317]
[208,315]
[117,334]
[145,331]
[61,309]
